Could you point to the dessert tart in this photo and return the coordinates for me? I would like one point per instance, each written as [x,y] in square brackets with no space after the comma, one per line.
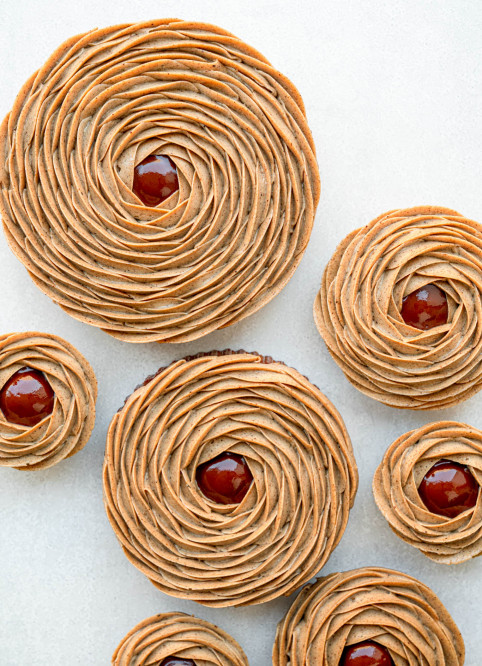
[158,180]
[399,308]
[47,400]
[177,639]
[345,618]
[428,488]
[228,478]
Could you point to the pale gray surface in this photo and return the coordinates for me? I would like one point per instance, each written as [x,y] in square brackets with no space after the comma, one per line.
[393,95]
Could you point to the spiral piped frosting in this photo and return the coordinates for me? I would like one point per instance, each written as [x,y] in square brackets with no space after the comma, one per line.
[178,635]
[216,250]
[357,310]
[295,511]
[67,429]
[388,607]
[396,483]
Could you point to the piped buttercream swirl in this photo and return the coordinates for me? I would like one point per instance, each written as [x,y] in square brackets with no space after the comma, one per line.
[396,482]
[357,310]
[388,607]
[178,635]
[67,429]
[292,517]
[216,250]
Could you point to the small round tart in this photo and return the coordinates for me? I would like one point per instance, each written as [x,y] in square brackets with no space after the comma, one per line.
[397,612]
[399,308]
[178,635]
[294,462]
[47,398]
[448,539]
[158,180]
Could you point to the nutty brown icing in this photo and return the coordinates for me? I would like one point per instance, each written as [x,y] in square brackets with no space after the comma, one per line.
[396,482]
[357,310]
[70,424]
[291,519]
[180,635]
[388,607]
[215,251]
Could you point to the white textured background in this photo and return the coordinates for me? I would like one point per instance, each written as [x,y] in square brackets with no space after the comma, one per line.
[393,90]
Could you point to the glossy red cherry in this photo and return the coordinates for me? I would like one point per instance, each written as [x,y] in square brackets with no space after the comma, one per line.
[448,489]
[177,661]
[225,479]
[425,308]
[155,179]
[367,653]
[27,397]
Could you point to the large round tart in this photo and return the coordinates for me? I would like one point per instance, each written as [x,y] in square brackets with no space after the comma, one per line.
[250,413]
[81,155]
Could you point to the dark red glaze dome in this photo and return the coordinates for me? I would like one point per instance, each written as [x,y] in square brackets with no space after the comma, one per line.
[27,397]
[448,489]
[425,308]
[225,479]
[155,179]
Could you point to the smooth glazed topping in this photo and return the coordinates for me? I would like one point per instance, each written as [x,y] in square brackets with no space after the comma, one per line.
[193,641]
[371,604]
[155,179]
[54,403]
[225,479]
[229,236]
[298,453]
[452,531]
[27,397]
[367,653]
[425,308]
[368,308]
[448,489]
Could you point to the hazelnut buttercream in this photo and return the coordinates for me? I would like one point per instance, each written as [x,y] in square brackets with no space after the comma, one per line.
[357,310]
[397,479]
[178,635]
[295,511]
[67,429]
[387,607]
[216,250]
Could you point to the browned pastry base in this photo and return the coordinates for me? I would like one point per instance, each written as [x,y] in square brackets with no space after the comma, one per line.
[178,635]
[295,512]
[213,252]
[385,606]
[69,426]
[357,310]
[396,482]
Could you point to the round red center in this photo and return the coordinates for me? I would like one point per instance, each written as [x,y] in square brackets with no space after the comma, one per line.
[425,308]
[367,653]
[155,179]
[225,479]
[177,661]
[27,397]
[448,489]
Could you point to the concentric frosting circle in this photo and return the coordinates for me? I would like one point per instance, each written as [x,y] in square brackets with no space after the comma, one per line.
[381,605]
[357,310]
[396,482]
[216,250]
[179,635]
[294,514]
[67,429]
